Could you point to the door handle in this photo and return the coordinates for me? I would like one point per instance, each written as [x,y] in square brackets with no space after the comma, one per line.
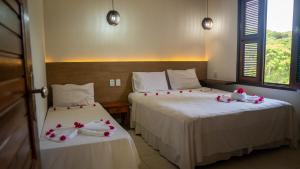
[43,91]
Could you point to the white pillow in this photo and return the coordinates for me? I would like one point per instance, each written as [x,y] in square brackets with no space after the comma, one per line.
[149,81]
[183,79]
[73,95]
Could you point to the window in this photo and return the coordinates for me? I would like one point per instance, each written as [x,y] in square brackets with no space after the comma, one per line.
[269,42]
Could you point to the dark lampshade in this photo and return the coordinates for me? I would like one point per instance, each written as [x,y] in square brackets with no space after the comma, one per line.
[113,17]
[207,23]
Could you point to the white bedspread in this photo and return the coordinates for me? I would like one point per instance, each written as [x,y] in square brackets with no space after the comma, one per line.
[87,152]
[190,127]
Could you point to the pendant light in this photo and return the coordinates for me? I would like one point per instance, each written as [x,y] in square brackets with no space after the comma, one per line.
[113,16]
[207,22]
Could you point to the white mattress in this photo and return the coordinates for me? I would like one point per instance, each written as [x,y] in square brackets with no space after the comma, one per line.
[191,127]
[87,152]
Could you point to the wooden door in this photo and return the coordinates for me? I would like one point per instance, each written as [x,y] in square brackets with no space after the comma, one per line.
[18,132]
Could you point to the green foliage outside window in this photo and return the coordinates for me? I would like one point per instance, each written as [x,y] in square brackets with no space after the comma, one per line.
[278,57]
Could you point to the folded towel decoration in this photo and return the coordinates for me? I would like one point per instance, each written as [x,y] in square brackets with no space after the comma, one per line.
[61,134]
[241,95]
[100,128]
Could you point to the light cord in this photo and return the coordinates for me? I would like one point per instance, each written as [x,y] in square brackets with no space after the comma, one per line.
[113,4]
[206,8]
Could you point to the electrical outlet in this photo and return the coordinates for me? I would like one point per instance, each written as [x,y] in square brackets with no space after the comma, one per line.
[112,82]
[118,82]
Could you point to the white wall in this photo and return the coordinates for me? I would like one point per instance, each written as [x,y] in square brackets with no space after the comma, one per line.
[149,30]
[36,15]
[221,49]
[221,41]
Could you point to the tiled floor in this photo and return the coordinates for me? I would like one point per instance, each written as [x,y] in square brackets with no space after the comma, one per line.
[279,158]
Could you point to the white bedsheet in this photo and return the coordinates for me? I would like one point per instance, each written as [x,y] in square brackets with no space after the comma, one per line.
[190,127]
[87,152]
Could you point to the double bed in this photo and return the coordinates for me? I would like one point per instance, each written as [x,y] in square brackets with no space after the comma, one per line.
[89,152]
[190,128]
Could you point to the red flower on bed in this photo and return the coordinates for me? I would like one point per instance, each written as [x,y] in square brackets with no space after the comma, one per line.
[78,125]
[58,125]
[156,94]
[145,94]
[62,138]
[52,135]
[107,122]
[111,127]
[240,90]
[168,92]
[180,91]
[261,98]
[106,133]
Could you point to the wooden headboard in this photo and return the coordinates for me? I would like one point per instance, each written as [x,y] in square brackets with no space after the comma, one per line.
[101,72]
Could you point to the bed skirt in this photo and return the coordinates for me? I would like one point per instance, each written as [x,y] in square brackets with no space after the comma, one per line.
[172,155]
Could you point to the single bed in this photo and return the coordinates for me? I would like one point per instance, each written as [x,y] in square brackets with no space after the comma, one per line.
[191,128]
[89,152]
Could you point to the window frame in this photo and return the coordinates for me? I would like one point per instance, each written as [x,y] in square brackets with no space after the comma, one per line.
[295,44]
[260,73]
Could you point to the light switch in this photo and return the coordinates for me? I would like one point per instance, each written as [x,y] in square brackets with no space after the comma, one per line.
[112,82]
[118,82]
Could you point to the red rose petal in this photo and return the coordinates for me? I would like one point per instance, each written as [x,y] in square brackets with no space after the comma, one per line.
[62,138]
[47,133]
[111,127]
[76,123]
[168,92]
[52,135]
[107,122]
[101,119]
[58,125]
[81,106]
[106,134]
